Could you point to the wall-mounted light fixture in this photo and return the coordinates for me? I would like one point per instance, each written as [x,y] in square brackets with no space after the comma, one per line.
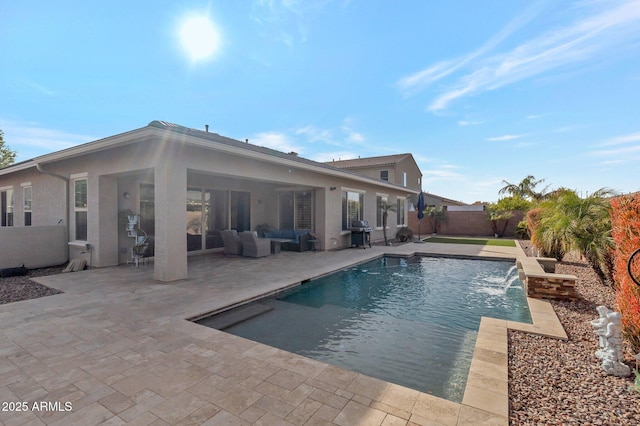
[332,188]
[126,195]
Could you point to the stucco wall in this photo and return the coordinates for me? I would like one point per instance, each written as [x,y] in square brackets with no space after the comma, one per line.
[48,197]
[33,246]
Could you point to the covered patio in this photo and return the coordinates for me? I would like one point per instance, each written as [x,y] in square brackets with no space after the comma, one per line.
[118,346]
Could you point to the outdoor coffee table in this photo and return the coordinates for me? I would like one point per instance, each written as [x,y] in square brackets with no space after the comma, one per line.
[276,244]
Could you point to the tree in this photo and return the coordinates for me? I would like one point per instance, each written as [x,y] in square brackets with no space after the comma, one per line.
[567,222]
[7,155]
[524,189]
[386,207]
[499,213]
[436,215]
[499,219]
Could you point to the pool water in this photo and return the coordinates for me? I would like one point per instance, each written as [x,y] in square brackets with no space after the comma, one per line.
[412,322]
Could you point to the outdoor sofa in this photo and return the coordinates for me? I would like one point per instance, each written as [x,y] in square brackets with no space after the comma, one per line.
[298,238]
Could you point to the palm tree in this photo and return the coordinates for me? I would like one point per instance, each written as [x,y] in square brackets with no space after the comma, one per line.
[568,222]
[524,189]
[386,207]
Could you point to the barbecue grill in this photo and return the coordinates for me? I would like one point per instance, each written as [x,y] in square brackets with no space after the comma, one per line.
[360,233]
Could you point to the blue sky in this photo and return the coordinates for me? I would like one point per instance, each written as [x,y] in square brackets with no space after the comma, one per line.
[478,91]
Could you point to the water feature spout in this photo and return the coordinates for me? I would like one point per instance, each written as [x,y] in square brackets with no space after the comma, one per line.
[508,279]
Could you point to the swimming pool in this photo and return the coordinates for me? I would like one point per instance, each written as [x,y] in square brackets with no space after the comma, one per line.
[412,322]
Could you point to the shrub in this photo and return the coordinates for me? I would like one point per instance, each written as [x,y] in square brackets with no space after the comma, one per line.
[522,230]
[404,234]
[544,240]
[625,220]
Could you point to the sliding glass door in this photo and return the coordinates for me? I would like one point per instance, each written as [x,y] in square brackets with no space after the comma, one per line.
[216,217]
[210,211]
[194,219]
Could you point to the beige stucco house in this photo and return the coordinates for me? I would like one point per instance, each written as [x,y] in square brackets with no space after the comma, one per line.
[399,168]
[187,185]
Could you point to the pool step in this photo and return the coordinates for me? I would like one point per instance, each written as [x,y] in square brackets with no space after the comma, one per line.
[235,316]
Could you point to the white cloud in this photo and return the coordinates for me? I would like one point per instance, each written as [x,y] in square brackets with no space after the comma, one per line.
[287,21]
[313,134]
[352,135]
[275,140]
[40,88]
[601,33]
[417,81]
[504,138]
[30,139]
[625,139]
[441,172]
[463,123]
[627,150]
[324,157]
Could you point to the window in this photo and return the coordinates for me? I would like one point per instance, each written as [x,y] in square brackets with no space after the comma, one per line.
[384,175]
[296,210]
[380,199]
[304,210]
[352,207]
[6,200]
[400,211]
[80,209]
[147,209]
[27,191]
[404,178]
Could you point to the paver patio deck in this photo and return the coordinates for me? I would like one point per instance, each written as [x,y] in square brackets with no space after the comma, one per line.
[117,347]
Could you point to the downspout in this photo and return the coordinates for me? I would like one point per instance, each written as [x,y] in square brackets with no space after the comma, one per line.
[66,194]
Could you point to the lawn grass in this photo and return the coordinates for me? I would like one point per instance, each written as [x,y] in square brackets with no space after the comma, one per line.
[479,241]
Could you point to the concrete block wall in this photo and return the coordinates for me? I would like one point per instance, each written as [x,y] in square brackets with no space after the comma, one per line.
[472,223]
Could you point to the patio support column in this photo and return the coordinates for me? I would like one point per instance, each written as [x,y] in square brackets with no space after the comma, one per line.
[170,258]
[105,241]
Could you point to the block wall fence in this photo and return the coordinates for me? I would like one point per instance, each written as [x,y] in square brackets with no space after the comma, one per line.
[472,224]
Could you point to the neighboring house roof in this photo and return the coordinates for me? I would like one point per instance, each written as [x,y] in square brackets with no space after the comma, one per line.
[446,201]
[200,138]
[383,160]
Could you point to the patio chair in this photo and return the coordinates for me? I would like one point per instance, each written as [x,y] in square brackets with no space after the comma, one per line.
[252,246]
[232,243]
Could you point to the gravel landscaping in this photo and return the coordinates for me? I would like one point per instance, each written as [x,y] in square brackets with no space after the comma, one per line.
[14,289]
[561,382]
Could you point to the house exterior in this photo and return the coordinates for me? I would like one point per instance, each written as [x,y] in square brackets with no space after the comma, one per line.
[400,169]
[186,185]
